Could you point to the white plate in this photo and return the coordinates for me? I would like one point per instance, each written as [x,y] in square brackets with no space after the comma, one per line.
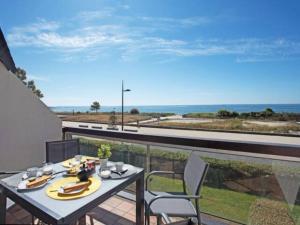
[22,186]
[61,190]
[25,176]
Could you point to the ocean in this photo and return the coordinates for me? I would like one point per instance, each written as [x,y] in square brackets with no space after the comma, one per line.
[182,109]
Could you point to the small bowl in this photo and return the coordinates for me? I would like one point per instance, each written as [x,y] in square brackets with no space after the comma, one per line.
[48,170]
[105,173]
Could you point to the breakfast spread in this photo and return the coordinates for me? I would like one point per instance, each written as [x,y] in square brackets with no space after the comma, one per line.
[72,171]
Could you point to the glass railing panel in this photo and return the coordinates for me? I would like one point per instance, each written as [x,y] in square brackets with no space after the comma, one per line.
[244,188]
[129,153]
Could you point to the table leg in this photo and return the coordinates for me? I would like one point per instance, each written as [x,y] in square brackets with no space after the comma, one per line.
[2,206]
[140,204]
[82,221]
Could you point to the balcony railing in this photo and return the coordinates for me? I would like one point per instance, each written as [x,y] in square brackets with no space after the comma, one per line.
[247,182]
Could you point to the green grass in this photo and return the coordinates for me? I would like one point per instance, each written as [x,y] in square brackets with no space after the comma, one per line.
[220,202]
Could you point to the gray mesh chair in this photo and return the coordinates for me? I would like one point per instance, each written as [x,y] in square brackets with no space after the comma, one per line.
[57,151]
[179,205]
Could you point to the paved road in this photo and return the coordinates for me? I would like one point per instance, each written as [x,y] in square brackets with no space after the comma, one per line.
[201,134]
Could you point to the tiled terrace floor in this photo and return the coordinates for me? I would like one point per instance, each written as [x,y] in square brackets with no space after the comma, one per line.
[114,211]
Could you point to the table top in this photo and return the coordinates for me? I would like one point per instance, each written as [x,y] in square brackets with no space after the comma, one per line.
[59,209]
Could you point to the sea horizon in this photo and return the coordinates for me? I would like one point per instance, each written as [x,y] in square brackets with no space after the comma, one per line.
[183,109]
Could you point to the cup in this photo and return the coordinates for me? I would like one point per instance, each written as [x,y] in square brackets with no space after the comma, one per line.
[48,169]
[32,172]
[119,166]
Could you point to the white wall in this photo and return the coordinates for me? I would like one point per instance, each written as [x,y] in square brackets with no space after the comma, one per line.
[26,124]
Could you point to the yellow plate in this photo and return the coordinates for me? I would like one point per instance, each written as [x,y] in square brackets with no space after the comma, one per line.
[52,192]
[83,159]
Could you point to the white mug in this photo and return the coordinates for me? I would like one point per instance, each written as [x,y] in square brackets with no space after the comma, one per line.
[32,172]
[119,166]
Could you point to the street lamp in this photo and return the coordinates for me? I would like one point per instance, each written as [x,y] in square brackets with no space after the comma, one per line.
[123,90]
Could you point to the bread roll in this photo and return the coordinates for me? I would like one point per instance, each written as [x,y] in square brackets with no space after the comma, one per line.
[38,181]
[76,187]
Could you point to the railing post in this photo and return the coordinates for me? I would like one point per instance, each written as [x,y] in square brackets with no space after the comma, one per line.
[63,135]
[148,166]
[2,206]
[67,136]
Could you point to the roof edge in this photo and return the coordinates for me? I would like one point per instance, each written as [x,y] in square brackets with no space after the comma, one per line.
[5,56]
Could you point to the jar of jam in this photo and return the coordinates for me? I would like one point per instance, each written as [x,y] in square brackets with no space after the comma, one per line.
[91,165]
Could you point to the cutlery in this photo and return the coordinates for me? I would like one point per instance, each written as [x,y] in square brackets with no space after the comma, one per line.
[59,172]
[120,173]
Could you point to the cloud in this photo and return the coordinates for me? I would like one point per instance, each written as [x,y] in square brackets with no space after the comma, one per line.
[169,22]
[129,41]
[38,78]
[38,26]
[125,6]
[94,15]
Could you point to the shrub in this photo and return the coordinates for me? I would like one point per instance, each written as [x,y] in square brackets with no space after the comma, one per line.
[227,114]
[266,212]
[234,114]
[268,112]
[134,111]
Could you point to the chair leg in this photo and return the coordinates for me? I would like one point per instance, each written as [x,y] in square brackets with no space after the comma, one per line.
[147,215]
[91,220]
[158,220]
[198,212]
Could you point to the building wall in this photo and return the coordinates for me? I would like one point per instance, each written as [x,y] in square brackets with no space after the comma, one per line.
[26,124]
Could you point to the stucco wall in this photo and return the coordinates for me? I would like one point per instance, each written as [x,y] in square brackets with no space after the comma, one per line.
[25,125]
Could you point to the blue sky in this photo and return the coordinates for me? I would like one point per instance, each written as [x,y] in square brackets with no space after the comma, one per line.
[168,52]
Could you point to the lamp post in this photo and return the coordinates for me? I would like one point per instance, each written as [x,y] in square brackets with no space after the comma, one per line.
[123,90]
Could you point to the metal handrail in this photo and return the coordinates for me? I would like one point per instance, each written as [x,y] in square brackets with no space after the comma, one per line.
[288,150]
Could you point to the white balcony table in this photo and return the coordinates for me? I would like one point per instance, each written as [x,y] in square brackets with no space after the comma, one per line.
[53,211]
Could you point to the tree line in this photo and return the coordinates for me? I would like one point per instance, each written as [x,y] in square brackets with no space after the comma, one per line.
[21,75]
[268,113]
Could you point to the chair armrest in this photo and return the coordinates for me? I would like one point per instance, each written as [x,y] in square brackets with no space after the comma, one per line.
[168,221]
[166,218]
[9,172]
[189,197]
[157,172]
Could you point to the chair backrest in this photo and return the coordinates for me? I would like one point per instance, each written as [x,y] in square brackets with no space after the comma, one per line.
[57,151]
[194,173]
